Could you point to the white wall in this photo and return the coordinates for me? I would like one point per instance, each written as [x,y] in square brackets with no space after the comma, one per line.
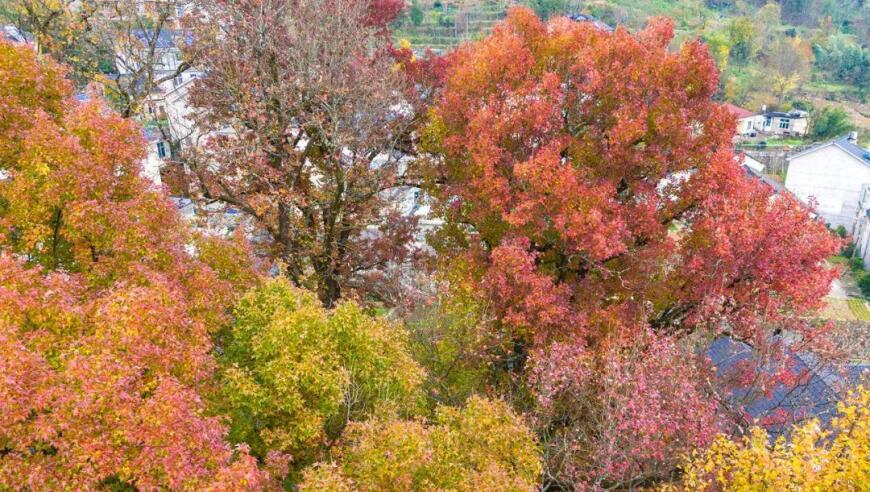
[152,163]
[834,178]
[745,125]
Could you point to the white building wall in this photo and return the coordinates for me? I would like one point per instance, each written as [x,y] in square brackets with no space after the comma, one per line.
[746,125]
[153,162]
[834,178]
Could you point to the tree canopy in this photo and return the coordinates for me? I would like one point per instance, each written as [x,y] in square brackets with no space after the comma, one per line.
[591,189]
[104,315]
[599,236]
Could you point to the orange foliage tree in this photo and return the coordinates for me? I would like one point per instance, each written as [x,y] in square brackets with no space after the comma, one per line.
[105,317]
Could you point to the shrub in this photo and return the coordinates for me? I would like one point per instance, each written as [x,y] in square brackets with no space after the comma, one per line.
[830,122]
[294,373]
[481,447]
[864,285]
[848,250]
[416,14]
[856,264]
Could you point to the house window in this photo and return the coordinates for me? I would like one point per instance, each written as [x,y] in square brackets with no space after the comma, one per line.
[784,124]
[767,121]
[161,150]
[749,125]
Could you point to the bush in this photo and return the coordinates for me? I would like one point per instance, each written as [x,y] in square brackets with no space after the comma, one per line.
[830,122]
[416,14]
[856,264]
[841,231]
[864,285]
[293,373]
[848,250]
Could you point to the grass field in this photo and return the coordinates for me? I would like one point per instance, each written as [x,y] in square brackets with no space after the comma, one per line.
[837,309]
[859,309]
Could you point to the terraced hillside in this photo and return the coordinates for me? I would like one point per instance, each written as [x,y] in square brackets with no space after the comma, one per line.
[444,24]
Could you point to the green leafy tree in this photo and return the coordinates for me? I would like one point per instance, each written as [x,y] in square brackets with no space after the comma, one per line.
[451,341]
[295,374]
[844,60]
[549,8]
[829,122]
[416,13]
[742,32]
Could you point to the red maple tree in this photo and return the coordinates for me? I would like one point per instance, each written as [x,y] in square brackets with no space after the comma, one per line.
[591,185]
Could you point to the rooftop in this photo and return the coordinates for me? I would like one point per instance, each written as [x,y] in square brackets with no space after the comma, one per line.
[781,114]
[813,392]
[844,143]
[166,38]
[593,20]
[738,112]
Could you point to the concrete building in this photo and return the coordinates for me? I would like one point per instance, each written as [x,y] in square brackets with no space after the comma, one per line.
[831,175]
[751,124]
[792,123]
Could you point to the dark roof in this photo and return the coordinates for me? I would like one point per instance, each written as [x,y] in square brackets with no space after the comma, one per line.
[815,391]
[780,114]
[593,20]
[853,148]
[166,38]
[845,144]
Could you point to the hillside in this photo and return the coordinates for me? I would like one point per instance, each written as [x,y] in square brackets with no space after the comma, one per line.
[790,53]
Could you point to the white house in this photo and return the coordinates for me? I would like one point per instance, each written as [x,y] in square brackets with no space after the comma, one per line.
[750,124]
[746,119]
[158,150]
[833,175]
[792,123]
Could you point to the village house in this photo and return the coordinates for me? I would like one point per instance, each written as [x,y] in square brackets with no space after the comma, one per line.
[749,124]
[832,176]
[861,234]
[789,124]
[812,390]
[169,58]
[745,120]
[158,149]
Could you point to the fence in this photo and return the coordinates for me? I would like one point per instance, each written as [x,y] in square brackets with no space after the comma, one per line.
[775,159]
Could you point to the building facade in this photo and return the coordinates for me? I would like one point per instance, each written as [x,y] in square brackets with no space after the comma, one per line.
[831,177]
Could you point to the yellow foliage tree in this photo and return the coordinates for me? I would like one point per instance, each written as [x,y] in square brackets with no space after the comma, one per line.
[811,459]
[481,447]
[295,374]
